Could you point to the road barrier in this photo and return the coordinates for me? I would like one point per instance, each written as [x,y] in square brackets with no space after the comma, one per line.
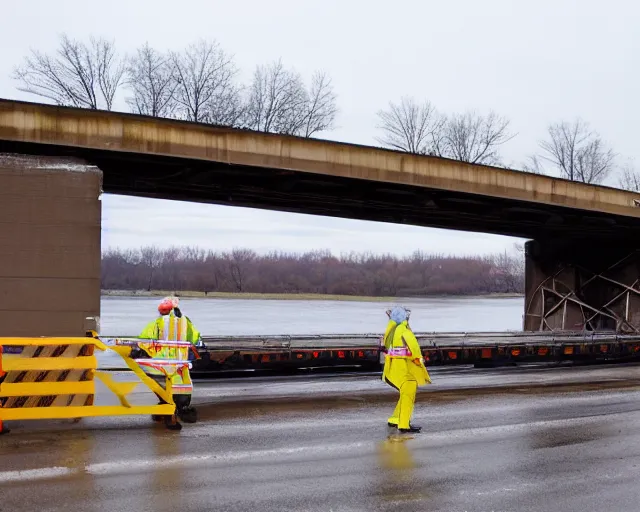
[54,378]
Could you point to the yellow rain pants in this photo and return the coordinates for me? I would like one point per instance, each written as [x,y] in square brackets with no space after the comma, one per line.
[405,373]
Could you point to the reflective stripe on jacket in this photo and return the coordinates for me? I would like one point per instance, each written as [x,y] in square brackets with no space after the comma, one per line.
[403,359]
[171,328]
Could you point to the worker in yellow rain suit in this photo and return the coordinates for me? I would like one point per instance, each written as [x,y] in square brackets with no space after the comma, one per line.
[172,334]
[404,367]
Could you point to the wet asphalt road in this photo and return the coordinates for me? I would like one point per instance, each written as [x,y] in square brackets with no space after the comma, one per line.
[563,439]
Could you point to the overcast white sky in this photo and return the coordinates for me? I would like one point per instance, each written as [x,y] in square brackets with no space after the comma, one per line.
[534,62]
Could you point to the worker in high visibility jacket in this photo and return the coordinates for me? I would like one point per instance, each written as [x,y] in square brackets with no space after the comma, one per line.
[171,326]
[404,368]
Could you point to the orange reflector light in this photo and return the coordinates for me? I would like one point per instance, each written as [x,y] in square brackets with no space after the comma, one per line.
[543,351]
[453,355]
[299,356]
[265,359]
[568,350]
[604,348]
[515,352]
[486,353]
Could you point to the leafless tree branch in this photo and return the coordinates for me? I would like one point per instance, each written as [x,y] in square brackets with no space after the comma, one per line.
[277,100]
[279,103]
[534,165]
[577,153]
[150,78]
[78,75]
[418,128]
[205,88]
[322,108]
[411,126]
[474,138]
[629,178]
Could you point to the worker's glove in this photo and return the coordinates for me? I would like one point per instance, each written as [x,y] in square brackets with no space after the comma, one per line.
[137,353]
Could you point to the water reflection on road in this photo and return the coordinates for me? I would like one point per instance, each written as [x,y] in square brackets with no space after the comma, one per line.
[504,449]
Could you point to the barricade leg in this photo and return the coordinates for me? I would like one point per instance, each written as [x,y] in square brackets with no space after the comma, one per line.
[3,429]
[164,380]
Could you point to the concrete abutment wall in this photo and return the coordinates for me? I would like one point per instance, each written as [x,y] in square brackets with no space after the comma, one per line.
[50,222]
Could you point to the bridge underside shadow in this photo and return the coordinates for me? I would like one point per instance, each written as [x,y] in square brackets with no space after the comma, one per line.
[154,176]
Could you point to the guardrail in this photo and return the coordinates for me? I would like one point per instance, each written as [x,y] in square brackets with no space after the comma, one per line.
[362,351]
[223,354]
[54,378]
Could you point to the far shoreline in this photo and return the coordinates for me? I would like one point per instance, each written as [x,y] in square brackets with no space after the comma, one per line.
[293,296]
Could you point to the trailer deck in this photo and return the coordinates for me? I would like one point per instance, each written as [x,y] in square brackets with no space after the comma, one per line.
[362,351]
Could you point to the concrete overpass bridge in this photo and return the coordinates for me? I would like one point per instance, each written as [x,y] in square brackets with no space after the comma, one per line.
[582,262]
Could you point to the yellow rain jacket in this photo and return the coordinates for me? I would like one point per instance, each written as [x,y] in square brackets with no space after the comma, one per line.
[403,361]
[171,328]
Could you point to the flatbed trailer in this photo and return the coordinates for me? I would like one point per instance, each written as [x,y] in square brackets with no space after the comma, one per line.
[282,353]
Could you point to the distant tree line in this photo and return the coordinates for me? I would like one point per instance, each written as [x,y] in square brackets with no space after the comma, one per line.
[200,83]
[318,272]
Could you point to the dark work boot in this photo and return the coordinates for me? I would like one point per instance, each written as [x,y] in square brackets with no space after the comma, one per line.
[172,423]
[413,429]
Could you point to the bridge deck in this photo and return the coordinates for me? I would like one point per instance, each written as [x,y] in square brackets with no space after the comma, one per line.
[178,160]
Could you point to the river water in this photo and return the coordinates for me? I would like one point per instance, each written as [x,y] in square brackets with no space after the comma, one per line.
[127,316]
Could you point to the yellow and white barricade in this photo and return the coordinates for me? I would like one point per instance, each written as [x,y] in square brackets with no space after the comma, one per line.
[54,378]
[167,359]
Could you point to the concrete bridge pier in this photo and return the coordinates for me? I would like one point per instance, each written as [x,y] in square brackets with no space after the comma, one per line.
[582,284]
[50,221]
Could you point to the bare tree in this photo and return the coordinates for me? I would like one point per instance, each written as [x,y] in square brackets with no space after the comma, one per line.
[578,153]
[279,102]
[78,75]
[533,165]
[322,108]
[410,126]
[629,178]
[150,78]
[151,257]
[508,271]
[474,138]
[205,88]
[238,262]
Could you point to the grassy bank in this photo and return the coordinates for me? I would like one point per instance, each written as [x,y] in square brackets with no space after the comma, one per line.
[280,296]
